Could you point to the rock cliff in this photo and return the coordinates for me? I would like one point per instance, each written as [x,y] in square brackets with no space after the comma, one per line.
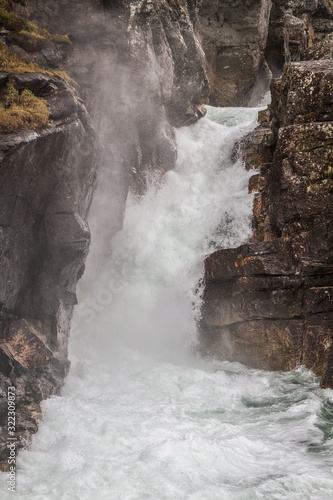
[248,41]
[234,36]
[141,71]
[269,304]
[47,179]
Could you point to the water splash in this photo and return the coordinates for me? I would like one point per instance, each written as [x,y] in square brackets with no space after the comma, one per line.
[168,232]
[140,418]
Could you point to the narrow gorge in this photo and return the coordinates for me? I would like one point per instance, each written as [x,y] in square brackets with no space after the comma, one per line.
[166,248]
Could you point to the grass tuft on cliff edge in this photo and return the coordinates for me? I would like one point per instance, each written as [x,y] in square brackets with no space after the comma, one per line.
[21,110]
[24,110]
[12,22]
[10,61]
[9,20]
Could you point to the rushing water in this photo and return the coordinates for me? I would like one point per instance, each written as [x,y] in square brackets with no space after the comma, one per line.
[141,417]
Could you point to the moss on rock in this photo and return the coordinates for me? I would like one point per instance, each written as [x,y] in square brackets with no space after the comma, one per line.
[11,21]
[21,110]
[10,61]
[61,39]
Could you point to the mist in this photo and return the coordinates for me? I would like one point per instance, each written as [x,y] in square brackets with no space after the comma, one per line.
[140,415]
[147,294]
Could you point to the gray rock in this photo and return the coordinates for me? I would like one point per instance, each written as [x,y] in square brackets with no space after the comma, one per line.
[234,37]
[46,186]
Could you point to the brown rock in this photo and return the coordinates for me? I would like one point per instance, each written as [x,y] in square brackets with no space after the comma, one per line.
[317,341]
[263,344]
[297,31]
[269,304]
[305,94]
[24,345]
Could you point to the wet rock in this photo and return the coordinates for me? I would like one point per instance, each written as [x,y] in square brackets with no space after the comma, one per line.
[304,94]
[298,31]
[62,104]
[41,85]
[245,42]
[262,344]
[34,48]
[234,36]
[268,304]
[46,189]
[141,72]
[23,345]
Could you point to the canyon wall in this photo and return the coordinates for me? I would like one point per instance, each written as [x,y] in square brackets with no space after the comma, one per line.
[269,304]
[246,42]
[140,71]
[47,179]
[234,36]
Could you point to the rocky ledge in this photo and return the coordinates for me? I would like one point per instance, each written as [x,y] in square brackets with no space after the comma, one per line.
[47,178]
[269,304]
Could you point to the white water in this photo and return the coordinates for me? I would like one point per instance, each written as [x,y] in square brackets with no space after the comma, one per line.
[140,417]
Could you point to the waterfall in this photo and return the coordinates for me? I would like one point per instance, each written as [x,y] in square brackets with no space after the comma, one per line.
[158,257]
[141,416]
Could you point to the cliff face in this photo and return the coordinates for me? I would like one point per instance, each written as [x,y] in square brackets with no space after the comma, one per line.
[246,41]
[269,304]
[299,30]
[234,36]
[47,179]
[141,72]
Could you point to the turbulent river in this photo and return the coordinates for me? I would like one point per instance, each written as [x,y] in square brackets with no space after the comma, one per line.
[141,416]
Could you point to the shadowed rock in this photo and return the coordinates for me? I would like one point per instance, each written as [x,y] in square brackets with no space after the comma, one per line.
[46,189]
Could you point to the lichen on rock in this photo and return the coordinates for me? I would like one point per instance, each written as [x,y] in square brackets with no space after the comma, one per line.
[269,304]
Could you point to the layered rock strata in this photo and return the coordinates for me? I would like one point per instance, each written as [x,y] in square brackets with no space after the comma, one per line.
[269,304]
